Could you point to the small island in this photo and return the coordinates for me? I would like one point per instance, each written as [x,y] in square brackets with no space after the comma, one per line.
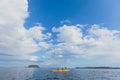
[33,66]
[97,67]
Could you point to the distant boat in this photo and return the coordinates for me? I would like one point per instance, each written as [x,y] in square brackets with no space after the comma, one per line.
[33,66]
[61,70]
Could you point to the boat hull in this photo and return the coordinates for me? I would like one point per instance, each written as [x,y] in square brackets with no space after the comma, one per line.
[60,70]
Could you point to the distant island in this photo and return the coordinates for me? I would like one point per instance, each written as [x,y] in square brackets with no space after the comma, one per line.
[33,66]
[97,67]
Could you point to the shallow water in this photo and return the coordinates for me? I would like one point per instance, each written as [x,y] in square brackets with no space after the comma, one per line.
[47,74]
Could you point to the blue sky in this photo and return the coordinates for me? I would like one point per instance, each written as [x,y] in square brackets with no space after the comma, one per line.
[60,33]
[50,13]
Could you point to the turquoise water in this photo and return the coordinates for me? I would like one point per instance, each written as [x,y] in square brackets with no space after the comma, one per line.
[47,74]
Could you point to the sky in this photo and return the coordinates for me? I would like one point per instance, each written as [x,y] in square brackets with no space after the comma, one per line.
[56,33]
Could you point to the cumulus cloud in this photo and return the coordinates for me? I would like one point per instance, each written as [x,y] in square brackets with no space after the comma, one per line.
[16,42]
[13,12]
[36,33]
[99,44]
[65,32]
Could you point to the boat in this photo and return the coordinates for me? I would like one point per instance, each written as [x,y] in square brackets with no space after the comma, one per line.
[61,70]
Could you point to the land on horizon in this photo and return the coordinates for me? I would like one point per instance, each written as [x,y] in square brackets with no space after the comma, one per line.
[97,67]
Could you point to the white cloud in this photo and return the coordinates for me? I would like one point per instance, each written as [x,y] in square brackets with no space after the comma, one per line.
[65,21]
[13,12]
[15,40]
[17,43]
[69,34]
[99,44]
[36,33]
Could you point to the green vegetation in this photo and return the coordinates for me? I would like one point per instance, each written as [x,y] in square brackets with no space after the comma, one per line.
[33,66]
[97,67]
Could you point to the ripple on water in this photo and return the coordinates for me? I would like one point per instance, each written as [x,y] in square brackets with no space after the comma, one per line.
[47,74]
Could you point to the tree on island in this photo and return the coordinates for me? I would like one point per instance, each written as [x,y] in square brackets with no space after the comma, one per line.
[33,66]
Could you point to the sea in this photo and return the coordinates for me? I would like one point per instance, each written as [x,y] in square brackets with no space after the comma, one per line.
[47,74]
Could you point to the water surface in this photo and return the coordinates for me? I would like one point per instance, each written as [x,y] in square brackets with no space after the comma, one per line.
[47,74]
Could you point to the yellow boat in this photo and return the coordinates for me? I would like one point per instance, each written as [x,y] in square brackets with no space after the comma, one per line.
[60,70]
